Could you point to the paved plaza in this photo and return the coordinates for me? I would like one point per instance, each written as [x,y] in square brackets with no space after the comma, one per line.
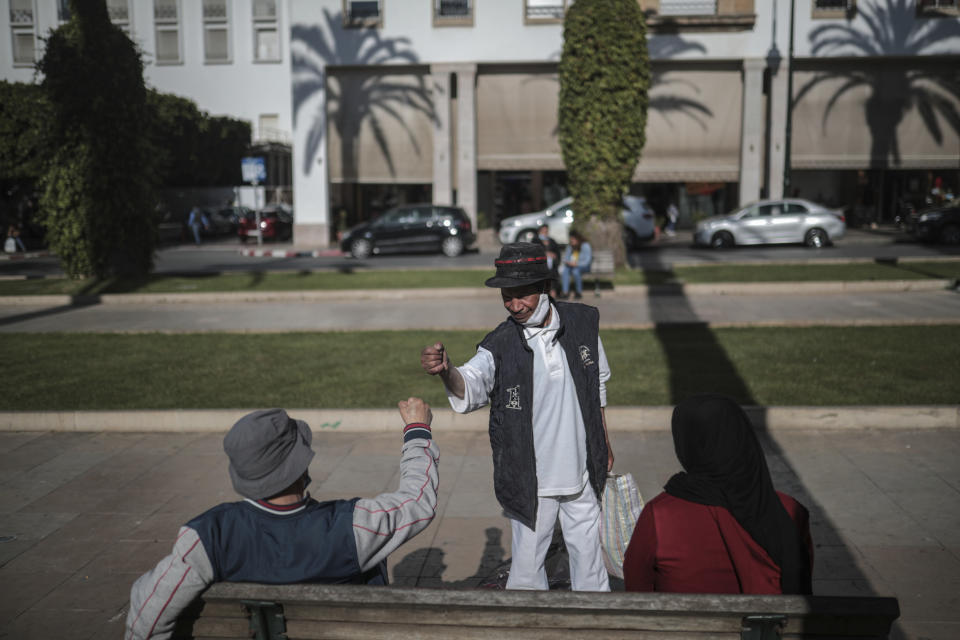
[83,514]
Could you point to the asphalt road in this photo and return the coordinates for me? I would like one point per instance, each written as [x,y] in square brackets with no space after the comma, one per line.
[225,255]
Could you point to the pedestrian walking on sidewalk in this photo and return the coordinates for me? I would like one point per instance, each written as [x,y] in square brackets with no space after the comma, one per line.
[278,534]
[197,220]
[543,372]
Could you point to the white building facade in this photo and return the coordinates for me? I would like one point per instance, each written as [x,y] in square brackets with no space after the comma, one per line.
[455,101]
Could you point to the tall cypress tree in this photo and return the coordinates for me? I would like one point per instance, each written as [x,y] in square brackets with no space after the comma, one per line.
[604,79]
[98,193]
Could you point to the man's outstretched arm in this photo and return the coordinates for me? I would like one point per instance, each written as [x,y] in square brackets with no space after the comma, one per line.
[382,524]
[158,596]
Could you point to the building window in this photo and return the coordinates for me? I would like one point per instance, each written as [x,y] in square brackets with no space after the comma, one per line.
[547,11]
[933,8]
[363,13]
[688,7]
[833,8]
[269,128]
[63,10]
[166,18]
[22,32]
[266,31]
[216,31]
[452,13]
[670,16]
[119,12]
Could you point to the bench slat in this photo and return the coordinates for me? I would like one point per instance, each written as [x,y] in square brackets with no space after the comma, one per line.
[466,617]
[298,630]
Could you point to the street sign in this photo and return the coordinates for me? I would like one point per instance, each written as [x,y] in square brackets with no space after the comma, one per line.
[254,170]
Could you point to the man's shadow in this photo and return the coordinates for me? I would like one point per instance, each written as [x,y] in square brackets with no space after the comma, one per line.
[425,567]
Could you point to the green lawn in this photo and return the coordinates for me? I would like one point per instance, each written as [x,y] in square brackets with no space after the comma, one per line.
[767,366]
[413,279]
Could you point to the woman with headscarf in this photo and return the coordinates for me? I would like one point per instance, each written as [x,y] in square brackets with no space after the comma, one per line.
[719,527]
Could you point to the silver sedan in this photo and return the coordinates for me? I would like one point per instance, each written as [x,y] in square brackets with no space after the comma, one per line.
[773,222]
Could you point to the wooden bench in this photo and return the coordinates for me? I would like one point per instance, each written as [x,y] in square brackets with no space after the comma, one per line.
[269,612]
[601,268]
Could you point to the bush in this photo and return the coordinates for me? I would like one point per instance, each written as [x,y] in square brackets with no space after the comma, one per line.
[98,192]
[194,149]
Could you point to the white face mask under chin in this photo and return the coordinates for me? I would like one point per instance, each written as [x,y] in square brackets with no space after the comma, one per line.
[540,313]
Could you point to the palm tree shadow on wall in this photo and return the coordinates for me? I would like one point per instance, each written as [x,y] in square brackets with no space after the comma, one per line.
[668,104]
[354,98]
[891,30]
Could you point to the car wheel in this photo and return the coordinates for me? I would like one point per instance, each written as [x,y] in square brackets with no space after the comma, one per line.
[527,236]
[630,240]
[722,240]
[816,238]
[361,248]
[451,246]
[950,234]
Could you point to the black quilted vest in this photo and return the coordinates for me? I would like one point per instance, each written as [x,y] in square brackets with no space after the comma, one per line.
[511,406]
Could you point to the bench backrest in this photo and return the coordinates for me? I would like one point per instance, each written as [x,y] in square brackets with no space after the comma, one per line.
[602,262]
[347,611]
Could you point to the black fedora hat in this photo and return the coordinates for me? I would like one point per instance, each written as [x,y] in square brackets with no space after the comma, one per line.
[519,264]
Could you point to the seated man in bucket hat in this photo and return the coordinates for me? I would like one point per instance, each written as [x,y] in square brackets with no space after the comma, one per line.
[278,534]
[543,372]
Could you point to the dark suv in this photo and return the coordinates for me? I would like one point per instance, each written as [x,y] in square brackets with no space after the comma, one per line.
[411,227]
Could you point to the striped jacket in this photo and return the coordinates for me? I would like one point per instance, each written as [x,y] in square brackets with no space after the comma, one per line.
[336,541]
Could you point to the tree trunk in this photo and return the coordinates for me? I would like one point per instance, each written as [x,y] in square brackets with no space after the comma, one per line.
[606,234]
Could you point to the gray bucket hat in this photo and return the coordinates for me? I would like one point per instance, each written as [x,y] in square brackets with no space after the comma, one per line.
[268,451]
[519,264]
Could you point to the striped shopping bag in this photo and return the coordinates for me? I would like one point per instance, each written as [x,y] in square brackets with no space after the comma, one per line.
[621,507]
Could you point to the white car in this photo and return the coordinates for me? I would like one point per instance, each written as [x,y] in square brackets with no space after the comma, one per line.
[773,222]
[637,217]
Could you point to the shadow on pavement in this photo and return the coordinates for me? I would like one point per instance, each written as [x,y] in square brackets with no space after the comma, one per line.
[76,302]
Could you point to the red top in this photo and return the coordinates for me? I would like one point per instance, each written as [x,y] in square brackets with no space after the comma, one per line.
[684,547]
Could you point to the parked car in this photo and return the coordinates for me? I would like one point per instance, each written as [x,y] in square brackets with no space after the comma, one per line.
[637,217]
[234,215]
[218,224]
[773,222]
[411,227]
[940,224]
[276,223]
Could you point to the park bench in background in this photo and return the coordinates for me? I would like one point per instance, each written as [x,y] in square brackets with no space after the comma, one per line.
[246,610]
[601,269]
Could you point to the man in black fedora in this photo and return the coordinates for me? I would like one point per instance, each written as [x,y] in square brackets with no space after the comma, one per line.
[543,372]
[278,534]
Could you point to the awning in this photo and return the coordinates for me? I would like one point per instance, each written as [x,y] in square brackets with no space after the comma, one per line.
[872,115]
[693,127]
[693,124]
[380,126]
[517,121]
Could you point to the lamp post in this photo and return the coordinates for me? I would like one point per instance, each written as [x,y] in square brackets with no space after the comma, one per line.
[789,129]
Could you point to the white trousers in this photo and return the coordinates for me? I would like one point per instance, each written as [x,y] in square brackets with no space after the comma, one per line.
[580,523]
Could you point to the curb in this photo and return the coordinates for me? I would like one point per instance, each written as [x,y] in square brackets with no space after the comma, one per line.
[23,256]
[620,419]
[291,253]
[729,288]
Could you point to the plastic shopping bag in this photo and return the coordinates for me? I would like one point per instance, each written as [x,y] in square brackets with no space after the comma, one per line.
[621,507]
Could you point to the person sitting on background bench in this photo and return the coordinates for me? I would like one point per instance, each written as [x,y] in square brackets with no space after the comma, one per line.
[720,527]
[278,534]
[576,262]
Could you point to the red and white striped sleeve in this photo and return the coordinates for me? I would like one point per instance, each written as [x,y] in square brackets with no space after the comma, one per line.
[382,524]
[158,596]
